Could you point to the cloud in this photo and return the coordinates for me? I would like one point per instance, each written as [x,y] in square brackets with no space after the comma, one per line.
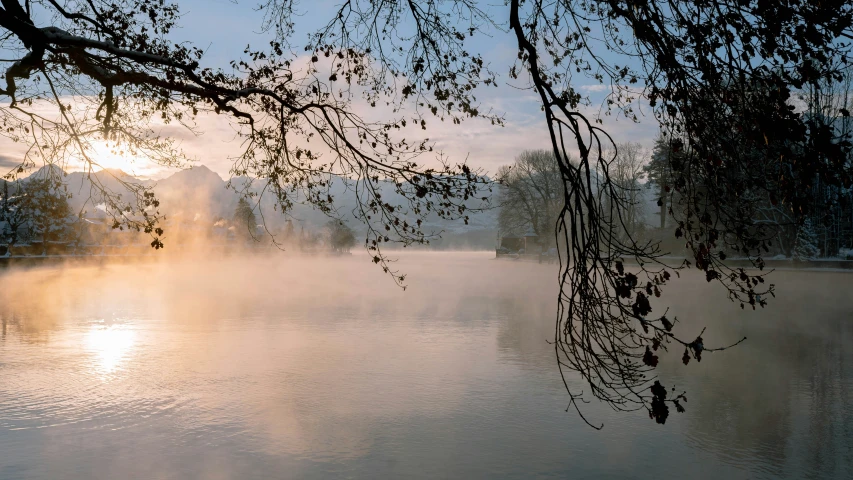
[8,162]
[215,142]
[489,147]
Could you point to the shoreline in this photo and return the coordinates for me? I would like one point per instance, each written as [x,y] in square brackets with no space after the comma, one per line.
[786,264]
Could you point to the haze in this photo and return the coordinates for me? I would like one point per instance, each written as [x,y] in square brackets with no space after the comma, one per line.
[253,366]
[253,239]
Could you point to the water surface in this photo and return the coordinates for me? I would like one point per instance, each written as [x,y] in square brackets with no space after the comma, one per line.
[319,368]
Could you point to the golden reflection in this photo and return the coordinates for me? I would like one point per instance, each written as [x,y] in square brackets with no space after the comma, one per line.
[111,346]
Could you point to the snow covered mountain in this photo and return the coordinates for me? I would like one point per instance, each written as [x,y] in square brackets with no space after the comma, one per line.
[198,194]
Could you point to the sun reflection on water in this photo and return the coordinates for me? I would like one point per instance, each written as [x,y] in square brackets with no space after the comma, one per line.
[111,345]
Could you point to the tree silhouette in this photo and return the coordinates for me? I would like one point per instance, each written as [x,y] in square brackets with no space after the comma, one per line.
[245,223]
[806,246]
[340,236]
[659,174]
[530,195]
[686,55]
[627,171]
[127,77]
[718,75]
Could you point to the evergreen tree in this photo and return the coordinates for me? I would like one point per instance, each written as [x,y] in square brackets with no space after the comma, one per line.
[244,219]
[289,231]
[45,202]
[659,173]
[806,247]
[13,218]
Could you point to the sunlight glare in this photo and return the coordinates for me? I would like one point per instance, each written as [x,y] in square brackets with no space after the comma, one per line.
[110,345]
[107,156]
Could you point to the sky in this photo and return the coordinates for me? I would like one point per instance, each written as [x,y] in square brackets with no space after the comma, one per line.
[225,27]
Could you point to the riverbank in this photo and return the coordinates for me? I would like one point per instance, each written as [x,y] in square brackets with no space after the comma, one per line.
[770,264]
[96,259]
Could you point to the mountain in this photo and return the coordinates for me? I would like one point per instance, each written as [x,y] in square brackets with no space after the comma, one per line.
[200,196]
[198,177]
[48,171]
[195,194]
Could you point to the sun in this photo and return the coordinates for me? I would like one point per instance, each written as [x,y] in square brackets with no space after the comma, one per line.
[110,156]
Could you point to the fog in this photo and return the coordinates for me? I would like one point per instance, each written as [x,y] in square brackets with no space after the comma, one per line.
[291,366]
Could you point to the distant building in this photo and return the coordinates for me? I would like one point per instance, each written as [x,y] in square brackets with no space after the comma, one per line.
[527,243]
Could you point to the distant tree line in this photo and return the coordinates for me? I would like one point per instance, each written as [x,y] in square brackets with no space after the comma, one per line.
[335,236]
[35,215]
[782,226]
[530,195]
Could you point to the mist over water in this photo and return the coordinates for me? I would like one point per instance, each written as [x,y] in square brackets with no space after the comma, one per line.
[301,367]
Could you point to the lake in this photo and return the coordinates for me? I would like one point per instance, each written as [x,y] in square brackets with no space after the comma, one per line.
[292,367]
